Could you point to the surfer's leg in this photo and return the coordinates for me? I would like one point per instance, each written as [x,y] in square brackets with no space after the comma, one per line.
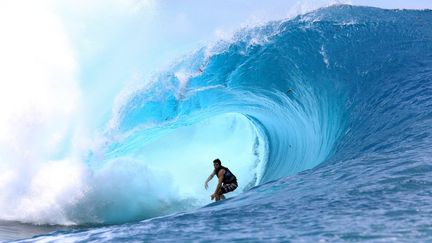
[222,191]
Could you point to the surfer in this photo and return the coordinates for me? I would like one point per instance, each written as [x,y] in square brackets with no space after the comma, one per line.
[227,181]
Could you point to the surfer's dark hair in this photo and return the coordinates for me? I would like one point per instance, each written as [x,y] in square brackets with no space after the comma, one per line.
[217,161]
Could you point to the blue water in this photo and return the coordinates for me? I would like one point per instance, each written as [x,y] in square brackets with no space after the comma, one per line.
[329,114]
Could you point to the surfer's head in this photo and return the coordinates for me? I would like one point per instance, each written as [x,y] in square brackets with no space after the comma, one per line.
[217,163]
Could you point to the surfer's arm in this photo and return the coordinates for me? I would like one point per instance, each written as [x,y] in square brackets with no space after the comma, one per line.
[219,185]
[209,179]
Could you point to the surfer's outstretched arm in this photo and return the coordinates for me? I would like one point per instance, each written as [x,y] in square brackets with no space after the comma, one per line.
[209,179]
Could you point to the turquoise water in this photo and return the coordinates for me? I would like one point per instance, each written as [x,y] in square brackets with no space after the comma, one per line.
[325,118]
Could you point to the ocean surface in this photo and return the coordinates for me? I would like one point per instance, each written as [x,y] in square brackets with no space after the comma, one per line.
[325,118]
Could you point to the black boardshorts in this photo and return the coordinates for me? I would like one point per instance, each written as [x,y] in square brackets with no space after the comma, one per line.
[229,187]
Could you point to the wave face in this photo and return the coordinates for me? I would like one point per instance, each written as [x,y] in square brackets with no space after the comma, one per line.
[328,115]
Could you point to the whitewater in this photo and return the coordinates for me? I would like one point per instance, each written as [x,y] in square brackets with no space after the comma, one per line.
[325,119]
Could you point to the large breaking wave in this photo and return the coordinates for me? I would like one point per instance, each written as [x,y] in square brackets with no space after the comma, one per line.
[333,85]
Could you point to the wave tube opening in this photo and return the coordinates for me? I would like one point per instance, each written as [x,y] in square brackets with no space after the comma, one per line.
[144,178]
